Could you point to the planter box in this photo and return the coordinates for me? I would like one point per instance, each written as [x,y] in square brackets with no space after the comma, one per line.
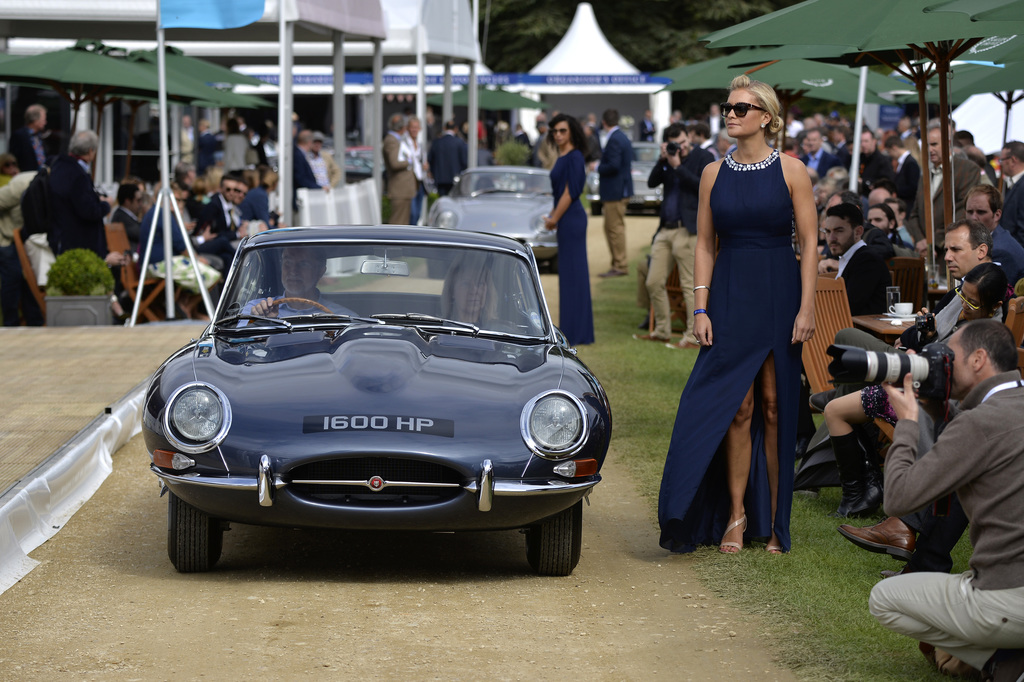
[78,311]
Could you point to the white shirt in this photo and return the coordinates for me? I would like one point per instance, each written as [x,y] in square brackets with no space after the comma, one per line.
[845,258]
[413,153]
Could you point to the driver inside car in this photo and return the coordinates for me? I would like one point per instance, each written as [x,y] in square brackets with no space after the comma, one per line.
[301,270]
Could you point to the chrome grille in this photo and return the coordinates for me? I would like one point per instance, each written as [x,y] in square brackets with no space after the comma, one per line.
[346,482]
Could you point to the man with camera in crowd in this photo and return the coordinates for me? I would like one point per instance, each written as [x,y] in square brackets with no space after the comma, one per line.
[973,621]
[678,171]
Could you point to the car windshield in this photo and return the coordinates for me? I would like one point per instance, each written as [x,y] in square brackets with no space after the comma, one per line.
[462,290]
[512,182]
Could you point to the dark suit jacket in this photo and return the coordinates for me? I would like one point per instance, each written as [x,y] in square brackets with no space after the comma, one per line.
[684,180]
[844,155]
[907,180]
[879,241]
[872,167]
[213,216]
[76,212]
[824,163]
[21,147]
[866,277]
[616,167]
[447,158]
[208,144]
[1013,212]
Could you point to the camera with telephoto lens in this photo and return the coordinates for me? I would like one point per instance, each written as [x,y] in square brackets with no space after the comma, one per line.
[931,368]
[925,325]
[671,148]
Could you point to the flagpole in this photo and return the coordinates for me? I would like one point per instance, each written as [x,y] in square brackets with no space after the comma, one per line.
[164,197]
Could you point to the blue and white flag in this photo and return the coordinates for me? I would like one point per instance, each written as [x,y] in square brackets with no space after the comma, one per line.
[209,13]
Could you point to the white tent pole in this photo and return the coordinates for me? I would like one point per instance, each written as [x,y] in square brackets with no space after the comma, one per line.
[338,104]
[858,123]
[474,114]
[377,117]
[165,196]
[447,110]
[285,143]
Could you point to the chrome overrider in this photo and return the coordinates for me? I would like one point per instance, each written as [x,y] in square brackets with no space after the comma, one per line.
[485,487]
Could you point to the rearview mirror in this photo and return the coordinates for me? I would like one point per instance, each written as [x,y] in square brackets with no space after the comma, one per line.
[396,268]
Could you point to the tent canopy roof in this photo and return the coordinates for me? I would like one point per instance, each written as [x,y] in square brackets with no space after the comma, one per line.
[584,50]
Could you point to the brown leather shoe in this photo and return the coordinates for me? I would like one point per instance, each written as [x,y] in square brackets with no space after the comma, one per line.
[891,536]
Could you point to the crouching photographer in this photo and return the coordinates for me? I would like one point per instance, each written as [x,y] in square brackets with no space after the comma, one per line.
[970,623]
[982,295]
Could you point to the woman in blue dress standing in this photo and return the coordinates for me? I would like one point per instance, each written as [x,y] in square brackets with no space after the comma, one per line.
[576,317]
[729,471]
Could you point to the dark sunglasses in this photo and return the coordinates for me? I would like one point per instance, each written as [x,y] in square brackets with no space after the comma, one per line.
[741,108]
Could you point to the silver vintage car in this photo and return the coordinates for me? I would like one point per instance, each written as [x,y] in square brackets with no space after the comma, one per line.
[506,200]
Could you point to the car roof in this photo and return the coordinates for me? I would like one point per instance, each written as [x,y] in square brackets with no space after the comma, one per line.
[384,234]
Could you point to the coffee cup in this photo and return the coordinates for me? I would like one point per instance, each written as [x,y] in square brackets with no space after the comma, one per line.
[902,309]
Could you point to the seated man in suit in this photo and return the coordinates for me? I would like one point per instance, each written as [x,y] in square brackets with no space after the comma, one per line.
[863,269]
[220,224]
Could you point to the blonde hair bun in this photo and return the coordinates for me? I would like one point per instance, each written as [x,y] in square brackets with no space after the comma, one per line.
[766,98]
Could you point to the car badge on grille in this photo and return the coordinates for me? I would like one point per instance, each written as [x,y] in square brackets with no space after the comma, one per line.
[376,483]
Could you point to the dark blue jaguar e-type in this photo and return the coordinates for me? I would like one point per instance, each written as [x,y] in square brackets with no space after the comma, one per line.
[378,378]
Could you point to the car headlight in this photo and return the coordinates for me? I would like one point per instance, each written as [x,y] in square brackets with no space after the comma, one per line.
[448,219]
[197,417]
[554,424]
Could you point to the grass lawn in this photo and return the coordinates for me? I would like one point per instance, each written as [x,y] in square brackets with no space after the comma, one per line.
[813,601]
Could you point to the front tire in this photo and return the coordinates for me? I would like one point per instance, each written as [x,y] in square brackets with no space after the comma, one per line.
[194,538]
[553,545]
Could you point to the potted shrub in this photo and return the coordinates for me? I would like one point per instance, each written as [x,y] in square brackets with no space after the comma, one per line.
[511,153]
[78,290]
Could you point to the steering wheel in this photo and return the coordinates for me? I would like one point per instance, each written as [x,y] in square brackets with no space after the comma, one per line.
[290,300]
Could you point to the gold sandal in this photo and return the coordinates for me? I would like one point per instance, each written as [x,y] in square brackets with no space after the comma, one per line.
[737,545]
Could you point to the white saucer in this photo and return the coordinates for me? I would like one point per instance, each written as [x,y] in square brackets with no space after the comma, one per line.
[905,318]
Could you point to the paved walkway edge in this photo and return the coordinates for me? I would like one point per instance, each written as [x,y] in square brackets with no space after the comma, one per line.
[44,500]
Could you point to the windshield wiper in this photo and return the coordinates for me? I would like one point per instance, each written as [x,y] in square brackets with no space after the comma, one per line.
[224,323]
[488,190]
[429,319]
[332,317]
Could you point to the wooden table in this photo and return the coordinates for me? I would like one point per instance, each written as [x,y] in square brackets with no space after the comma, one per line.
[881,326]
[935,295]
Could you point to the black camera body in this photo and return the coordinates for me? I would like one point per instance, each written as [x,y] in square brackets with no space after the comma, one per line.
[672,148]
[925,325]
[931,368]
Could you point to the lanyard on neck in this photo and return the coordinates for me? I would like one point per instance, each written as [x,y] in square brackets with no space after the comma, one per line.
[1002,387]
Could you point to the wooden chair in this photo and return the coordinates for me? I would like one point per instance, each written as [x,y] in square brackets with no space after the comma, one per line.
[676,302]
[908,274]
[1020,361]
[117,240]
[29,273]
[1015,320]
[831,313]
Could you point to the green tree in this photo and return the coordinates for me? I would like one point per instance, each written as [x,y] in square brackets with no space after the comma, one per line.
[652,34]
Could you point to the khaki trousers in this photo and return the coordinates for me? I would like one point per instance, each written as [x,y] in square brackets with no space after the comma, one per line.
[680,246]
[615,232]
[401,211]
[949,613]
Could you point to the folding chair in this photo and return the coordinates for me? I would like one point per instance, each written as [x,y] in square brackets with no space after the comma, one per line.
[117,241]
[1015,320]
[29,273]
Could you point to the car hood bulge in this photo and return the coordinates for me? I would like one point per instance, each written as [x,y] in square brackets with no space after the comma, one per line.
[436,392]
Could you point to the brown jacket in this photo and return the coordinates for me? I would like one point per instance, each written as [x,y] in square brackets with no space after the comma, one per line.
[966,175]
[401,179]
[980,456]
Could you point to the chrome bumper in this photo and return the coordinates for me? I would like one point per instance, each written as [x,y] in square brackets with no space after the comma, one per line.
[485,487]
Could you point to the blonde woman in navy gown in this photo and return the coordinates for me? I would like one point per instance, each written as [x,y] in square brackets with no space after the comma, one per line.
[729,472]
[575,314]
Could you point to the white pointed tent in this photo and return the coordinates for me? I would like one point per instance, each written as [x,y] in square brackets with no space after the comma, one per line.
[584,73]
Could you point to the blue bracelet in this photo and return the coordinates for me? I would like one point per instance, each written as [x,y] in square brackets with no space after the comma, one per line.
[698,311]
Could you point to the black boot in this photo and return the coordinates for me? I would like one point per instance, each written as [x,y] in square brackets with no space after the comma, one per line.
[859,498]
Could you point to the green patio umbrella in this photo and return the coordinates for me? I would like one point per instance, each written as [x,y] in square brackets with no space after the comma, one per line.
[897,33]
[791,78]
[982,10]
[210,74]
[491,100]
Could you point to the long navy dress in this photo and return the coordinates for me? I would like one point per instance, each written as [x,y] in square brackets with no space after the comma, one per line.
[576,316]
[753,302]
